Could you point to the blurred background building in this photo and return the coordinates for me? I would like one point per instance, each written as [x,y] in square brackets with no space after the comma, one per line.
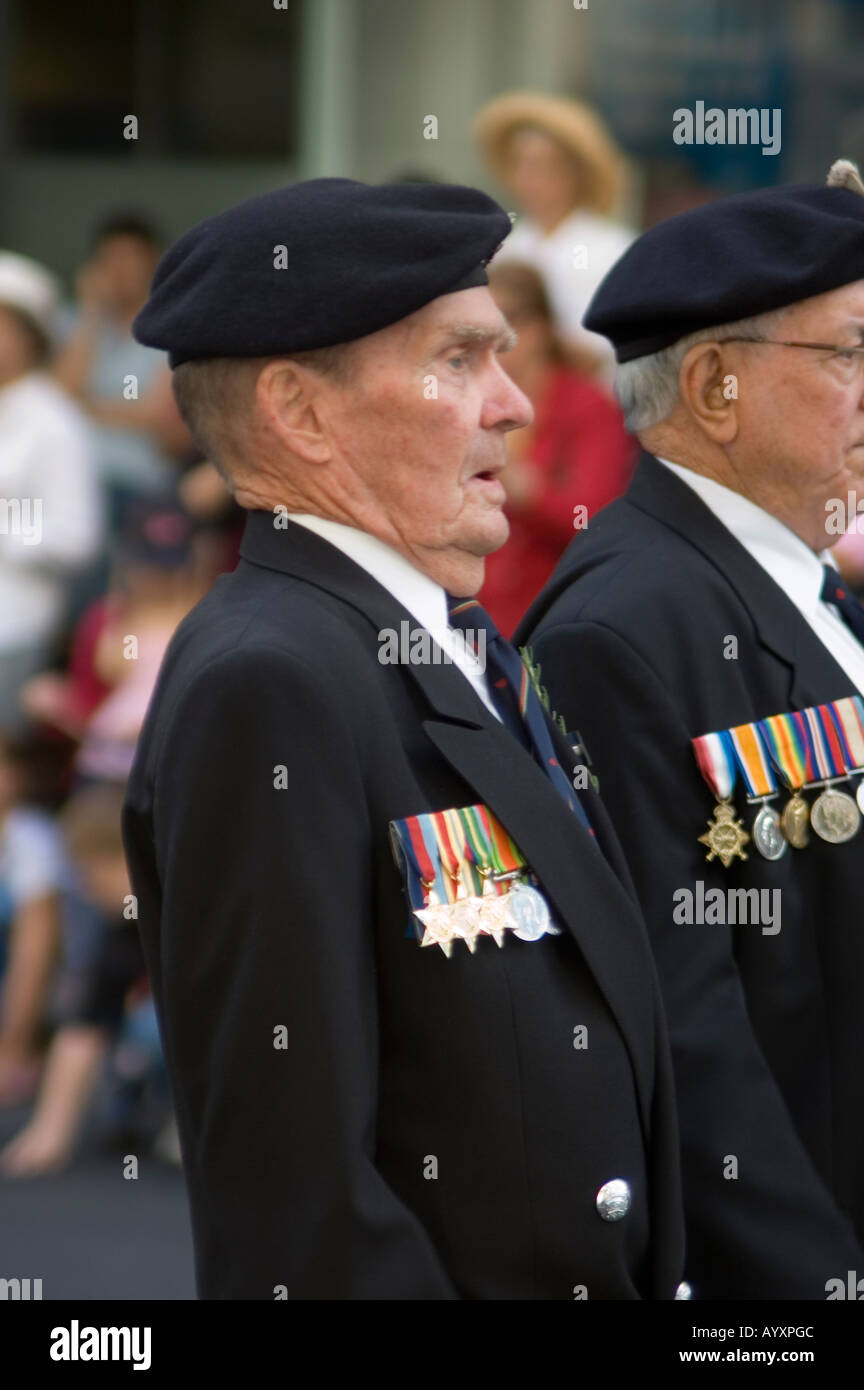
[234,98]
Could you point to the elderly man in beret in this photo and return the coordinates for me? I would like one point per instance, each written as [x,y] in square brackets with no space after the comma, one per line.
[699,636]
[407,998]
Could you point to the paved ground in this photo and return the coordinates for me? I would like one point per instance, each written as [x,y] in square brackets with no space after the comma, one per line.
[89,1233]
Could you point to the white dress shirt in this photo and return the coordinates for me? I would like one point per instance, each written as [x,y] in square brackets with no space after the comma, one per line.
[424,599]
[788,560]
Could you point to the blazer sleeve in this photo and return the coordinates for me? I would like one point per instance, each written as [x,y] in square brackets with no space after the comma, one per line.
[257,919]
[775,1231]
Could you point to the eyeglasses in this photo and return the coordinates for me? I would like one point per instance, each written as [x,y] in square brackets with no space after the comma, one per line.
[848,355]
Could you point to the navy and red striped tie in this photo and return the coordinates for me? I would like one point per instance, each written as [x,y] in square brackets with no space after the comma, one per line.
[835,591]
[514,695]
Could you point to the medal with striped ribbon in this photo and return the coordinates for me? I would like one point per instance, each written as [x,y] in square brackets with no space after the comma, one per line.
[755,764]
[834,815]
[725,837]
[785,737]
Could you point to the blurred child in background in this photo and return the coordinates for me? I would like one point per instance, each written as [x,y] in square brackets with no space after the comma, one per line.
[33,873]
[96,998]
[120,640]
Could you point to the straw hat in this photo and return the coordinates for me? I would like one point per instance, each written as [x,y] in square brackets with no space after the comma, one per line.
[575,126]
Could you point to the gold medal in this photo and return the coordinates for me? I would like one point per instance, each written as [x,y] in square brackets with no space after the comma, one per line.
[795,820]
[725,836]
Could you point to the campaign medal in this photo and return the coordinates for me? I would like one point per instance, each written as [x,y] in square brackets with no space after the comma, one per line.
[725,837]
[785,737]
[835,816]
[452,849]
[492,910]
[528,915]
[755,766]
[768,835]
[850,715]
[437,920]
[795,820]
[438,916]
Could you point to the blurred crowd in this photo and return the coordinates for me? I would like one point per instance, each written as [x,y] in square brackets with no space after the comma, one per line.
[112,526]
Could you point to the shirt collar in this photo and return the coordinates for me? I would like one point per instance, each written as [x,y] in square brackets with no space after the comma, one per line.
[424,599]
[789,560]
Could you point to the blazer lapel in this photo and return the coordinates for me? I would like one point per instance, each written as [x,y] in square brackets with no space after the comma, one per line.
[300,552]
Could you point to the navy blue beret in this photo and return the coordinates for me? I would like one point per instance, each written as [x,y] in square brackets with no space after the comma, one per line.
[357,257]
[731,259]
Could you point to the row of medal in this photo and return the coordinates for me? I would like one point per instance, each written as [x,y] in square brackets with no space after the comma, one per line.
[804,750]
[466,879]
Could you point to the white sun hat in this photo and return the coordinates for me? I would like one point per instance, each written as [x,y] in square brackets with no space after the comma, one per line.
[31,289]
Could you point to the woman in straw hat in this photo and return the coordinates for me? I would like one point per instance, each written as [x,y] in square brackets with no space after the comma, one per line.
[566,173]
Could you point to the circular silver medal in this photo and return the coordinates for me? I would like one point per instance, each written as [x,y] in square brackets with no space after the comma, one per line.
[859,796]
[835,816]
[528,915]
[768,836]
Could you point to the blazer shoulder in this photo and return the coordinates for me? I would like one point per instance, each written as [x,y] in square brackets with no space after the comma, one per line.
[276,632]
[646,583]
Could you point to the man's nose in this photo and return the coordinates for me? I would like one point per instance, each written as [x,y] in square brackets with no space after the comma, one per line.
[506,406]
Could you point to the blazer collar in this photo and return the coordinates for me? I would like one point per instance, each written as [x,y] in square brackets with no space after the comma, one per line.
[780,626]
[657,491]
[297,551]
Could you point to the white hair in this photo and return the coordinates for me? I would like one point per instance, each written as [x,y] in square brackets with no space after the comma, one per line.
[647,387]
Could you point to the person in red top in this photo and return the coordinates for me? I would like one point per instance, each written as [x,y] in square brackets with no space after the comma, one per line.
[574,459]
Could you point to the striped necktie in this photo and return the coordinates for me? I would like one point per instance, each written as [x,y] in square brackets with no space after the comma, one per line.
[835,591]
[514,695]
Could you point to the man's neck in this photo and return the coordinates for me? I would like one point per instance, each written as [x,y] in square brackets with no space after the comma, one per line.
[766,502]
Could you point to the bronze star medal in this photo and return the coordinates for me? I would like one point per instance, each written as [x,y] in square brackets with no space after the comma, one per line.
[725,836]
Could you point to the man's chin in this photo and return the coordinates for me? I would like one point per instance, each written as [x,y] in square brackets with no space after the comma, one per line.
[491,536]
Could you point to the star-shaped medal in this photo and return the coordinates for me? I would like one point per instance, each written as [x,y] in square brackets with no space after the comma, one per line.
[493,913]
[725,836]
[467,919]
[438,921]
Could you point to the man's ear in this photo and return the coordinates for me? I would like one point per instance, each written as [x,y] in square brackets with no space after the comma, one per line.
[710,391]
[288,398]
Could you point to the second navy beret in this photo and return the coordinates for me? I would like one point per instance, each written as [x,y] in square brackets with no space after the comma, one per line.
[731,259]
